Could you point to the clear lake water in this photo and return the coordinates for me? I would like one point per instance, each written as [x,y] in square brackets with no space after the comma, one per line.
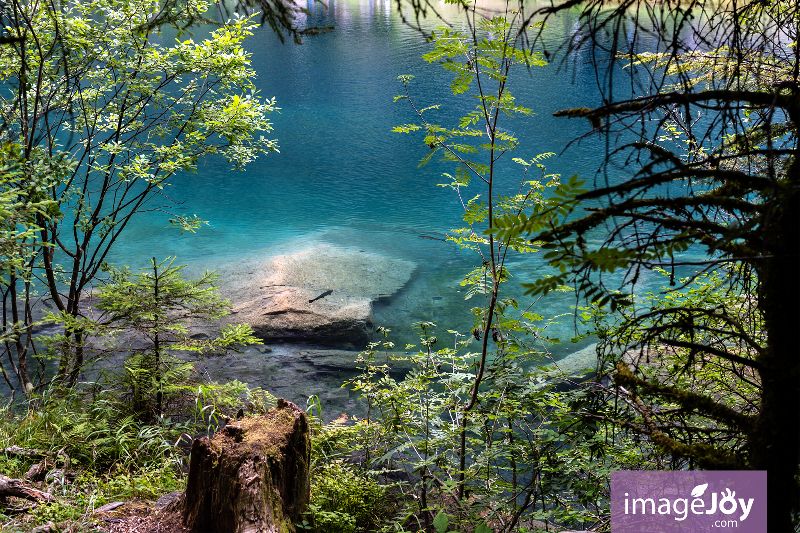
[343,177]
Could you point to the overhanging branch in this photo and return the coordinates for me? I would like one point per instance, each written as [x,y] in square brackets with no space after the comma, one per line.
[650,103]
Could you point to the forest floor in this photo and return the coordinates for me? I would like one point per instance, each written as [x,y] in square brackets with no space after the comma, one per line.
[141,518]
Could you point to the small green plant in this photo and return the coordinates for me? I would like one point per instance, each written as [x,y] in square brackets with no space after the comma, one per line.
[92,433]
[346,498]
[442,520]
[328,521]
[146,315]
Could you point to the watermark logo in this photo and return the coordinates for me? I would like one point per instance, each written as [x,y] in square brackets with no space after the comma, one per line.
[689,502]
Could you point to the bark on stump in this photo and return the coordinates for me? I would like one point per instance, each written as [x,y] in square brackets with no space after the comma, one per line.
[252,477]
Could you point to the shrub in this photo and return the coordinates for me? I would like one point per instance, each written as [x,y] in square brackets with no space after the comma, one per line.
[346,499]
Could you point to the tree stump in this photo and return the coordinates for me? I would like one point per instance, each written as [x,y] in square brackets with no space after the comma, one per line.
[252,477]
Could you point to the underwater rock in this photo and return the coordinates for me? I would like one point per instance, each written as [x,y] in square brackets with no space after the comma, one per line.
[577,363]
[325,267]
[322,294]
[285,314]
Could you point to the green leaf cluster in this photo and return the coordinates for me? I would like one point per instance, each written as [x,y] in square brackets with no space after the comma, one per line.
[100,113]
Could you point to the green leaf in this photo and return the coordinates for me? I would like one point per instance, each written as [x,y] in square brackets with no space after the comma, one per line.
[440,522]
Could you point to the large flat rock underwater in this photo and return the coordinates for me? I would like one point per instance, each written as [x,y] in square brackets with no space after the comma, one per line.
[321,294]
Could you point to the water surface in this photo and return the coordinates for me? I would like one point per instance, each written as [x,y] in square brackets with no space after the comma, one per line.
[343,177]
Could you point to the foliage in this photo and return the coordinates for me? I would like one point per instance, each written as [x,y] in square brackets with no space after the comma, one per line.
[77,499]
[334,441]
[119,443]
[147,317]
[282,16]
[481,57]
[719,179]
[484,439]
[701,404]
[94,434]
[532,452]
[158,305]
[347,499]
[684,415]
[93,88]
[344,496]
[22,203]
[98,452]
[258,400]
[109,456]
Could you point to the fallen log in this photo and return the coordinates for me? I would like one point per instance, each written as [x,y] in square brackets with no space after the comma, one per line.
[26,452]
[52,458]
[252,477]
[16,487]
[39,471]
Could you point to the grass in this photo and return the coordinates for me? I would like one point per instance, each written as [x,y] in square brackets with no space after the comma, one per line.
[113,456]
[107,456]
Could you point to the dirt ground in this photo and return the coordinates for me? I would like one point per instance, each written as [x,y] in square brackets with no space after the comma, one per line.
[140,517]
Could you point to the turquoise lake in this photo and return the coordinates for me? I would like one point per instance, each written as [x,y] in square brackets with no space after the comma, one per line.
[342,177]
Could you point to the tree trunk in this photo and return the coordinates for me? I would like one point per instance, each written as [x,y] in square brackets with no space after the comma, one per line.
[775,446]
[252,477]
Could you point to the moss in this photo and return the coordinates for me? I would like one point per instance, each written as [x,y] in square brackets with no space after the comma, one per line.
[262,434]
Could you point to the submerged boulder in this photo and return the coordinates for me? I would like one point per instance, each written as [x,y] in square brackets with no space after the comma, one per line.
[345,272]
[577,363]
[286,314]
[321,294]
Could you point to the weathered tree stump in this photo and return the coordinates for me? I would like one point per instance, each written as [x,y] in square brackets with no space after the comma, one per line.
[252,477]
